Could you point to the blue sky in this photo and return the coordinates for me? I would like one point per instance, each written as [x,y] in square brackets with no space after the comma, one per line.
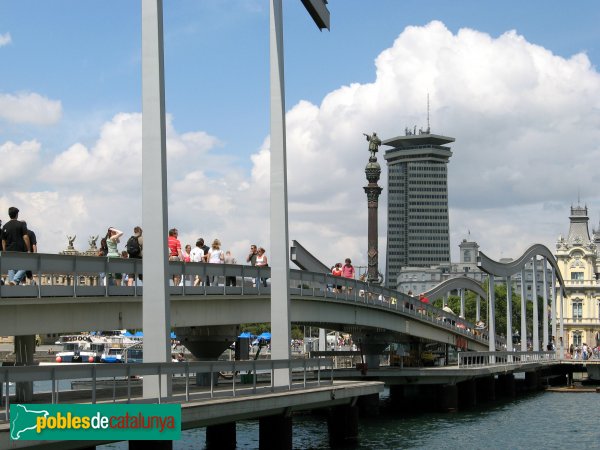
[86,57]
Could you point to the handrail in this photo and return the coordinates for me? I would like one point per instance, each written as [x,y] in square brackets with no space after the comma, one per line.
[70,268]
[93,371]
[485,359]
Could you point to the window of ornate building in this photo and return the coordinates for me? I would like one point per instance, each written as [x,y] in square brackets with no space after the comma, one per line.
[576,275]
[577,309]
[467,256]
[577,338]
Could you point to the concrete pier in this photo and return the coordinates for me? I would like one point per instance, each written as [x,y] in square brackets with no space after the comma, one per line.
[532,381]
[448,398]
[24,350]
[342,424]
[467,394]
[368,405]
[505,386]
[486,389]
[275,432]
[221,436]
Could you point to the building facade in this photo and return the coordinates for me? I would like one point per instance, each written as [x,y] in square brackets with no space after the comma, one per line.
[578,259]
[418,227]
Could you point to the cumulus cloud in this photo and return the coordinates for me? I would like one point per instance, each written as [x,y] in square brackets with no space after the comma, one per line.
[5,39]
[527,139]
[17,161]
[30,108]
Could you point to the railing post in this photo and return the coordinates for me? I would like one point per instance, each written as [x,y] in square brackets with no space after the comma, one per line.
[128,373]
[94,384]
[212,383]
[233,380]
[254,375]
[7,397]
[304,375]
[159,384]
[187,381]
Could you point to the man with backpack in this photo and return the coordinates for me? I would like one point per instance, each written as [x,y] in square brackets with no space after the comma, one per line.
[135,250]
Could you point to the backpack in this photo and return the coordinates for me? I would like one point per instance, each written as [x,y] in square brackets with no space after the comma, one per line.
[133,247]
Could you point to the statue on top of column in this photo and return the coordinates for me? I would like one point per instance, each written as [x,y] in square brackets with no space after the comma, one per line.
[374,143]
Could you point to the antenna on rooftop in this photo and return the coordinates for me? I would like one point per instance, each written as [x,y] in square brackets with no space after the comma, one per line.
[428,127]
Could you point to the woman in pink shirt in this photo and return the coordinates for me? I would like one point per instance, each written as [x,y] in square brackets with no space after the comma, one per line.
[348,271]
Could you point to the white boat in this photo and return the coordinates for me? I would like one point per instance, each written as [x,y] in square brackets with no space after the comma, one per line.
[93,348]
[76,349]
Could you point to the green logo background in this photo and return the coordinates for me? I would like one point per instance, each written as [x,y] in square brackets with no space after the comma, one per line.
[107,422]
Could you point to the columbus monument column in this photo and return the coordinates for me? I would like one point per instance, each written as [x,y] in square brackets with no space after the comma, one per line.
[373,190]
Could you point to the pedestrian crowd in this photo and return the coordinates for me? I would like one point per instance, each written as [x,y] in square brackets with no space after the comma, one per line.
[345,271]
[17,237]
[583,352]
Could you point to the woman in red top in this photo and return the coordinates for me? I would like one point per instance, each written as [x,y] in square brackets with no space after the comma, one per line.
[174,251]
[336,271]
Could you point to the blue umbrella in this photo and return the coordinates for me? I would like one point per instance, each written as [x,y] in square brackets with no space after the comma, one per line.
[139,334]
[246,334]
[127,334]
[173,336]
[266,336]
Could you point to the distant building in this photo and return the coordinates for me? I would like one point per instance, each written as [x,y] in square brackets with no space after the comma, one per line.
[579,262]
[418,226]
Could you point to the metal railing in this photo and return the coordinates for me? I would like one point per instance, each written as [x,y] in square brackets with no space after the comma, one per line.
[485,359]
[240,372]
[250,280]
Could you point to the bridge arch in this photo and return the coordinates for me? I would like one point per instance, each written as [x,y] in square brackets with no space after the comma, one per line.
[509,269]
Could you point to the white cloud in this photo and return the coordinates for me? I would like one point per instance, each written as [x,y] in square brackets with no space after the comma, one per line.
[5,39]
[29,108]
[18,161]
[527,139]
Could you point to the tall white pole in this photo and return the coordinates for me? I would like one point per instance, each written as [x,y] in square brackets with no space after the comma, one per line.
[491,315]
[545,307]
[536,320]
[462,303]
[562,323]
[554,310]
[523,311]
[280,294]
[509,343]
[156,310]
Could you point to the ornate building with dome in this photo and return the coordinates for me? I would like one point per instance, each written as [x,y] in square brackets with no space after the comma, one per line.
[578,258]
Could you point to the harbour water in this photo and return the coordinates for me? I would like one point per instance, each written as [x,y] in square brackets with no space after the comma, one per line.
[545,420]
